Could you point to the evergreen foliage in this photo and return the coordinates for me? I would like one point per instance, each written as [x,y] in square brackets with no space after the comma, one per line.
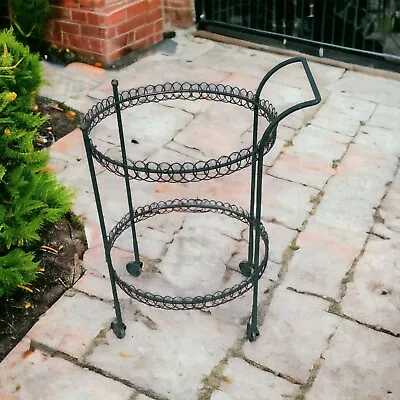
[30,196]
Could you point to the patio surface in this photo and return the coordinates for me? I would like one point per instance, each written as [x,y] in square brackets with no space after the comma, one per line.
[330,297]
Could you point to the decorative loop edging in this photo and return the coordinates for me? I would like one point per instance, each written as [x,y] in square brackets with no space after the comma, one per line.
[187,171]
[190,206]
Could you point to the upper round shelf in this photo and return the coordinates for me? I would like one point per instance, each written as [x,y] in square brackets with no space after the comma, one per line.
[178,172]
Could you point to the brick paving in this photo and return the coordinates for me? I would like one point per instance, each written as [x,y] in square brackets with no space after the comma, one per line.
[330,298]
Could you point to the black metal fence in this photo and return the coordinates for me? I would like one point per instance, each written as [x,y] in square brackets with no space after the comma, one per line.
[367,27]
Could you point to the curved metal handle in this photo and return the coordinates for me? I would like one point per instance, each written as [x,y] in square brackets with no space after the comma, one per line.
[292,109]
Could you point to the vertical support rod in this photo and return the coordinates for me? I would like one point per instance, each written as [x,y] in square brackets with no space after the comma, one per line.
[253,186]
[200,12]
[355,23]
[248,14]
[118,327]
[257,25]
[323,22]
[284,17]
[312,16]
[114,84]
[334,23]
[274,26]
[344,24]
[256,261]
[295,31]
[363,40]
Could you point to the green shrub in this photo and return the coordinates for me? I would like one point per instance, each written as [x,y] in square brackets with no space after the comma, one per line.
[30,196]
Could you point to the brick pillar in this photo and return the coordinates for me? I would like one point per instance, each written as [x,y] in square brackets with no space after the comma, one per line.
[106,29]
[179,13]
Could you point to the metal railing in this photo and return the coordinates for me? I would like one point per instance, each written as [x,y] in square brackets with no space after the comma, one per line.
[369,27]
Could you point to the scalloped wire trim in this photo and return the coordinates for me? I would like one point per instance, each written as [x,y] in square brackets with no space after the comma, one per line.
[188,171]
[197,206]
[176,91]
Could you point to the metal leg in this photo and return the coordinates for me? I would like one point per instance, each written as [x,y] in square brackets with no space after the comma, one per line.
[252,326]
[246,267]
[118,326]
[135,266]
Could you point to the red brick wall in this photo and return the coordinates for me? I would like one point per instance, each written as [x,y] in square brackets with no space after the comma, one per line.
[109,29]
[179,13]
[106,29]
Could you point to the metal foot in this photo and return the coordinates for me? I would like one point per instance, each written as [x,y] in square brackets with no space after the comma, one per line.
[134,268]
[245,268]
[118,329]
[252,332]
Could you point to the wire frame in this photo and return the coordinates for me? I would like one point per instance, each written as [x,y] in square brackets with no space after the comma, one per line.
[254,266]
[188,206]
[188,171]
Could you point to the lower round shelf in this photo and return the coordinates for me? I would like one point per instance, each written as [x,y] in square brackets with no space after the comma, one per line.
[189,206]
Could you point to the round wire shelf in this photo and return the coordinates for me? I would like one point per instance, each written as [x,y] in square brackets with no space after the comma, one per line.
[189,206]
[179,172]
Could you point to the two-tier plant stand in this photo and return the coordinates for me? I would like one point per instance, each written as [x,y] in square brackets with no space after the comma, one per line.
[253,267]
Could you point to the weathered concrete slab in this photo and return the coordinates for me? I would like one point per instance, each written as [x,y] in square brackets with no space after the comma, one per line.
[379,139]
[238,311]
[373,295]
[321,262]
[33,375]
[147,128]
[310,158]
[366,87]
[243,381]
[163,71]
[69,147]
[295,331]
[185,47]
[195,261]
[358,186]
[217,131]
[336,233]
[343,114]
[386,117]
[390,207]
[66,84]
[285,133]
[142,397]
[98,286]
[286,202]
[158,351]
[72,323]
[280,238]
[352,108]
[359,364]
[257,63]
[330,119]
[234,59]
[82,104]
[76,176]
